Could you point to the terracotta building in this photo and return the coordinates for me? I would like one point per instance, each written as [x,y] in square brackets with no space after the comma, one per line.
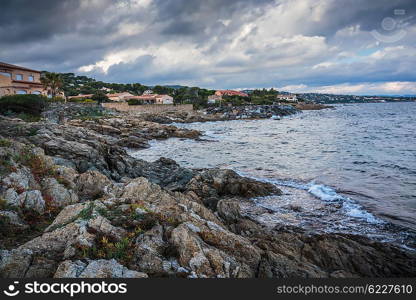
[19,80]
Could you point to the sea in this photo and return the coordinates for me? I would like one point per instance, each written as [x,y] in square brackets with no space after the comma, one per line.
[350,169]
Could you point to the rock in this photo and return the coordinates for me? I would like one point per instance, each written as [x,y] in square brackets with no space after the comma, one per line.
[103,226]
[14,220]
[11,197]
[205,260]
[91,185]
[212,184]
[32,200]
[15,263]
[149,251]
[96,269]
[229,210]
[59,195]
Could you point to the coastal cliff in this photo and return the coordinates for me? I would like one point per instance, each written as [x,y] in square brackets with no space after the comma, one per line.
[73,203]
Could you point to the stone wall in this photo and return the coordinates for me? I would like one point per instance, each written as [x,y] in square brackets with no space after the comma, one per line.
[152,108]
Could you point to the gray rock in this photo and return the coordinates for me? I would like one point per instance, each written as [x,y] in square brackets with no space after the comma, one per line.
[96,269]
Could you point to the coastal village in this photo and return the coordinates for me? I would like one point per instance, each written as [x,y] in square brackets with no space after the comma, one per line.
[19,80]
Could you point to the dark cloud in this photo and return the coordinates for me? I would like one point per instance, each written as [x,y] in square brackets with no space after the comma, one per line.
[214,43]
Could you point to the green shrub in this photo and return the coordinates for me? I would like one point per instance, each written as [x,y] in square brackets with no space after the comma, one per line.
[88,101]
[26,104]
[134,102]
[56,99]
[5,143]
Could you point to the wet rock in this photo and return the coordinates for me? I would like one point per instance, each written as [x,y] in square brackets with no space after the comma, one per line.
[212,184]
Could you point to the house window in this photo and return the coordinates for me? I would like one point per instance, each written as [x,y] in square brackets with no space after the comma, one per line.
[21,92]
[19,77]
[36,93]
[6,74]
[31,78]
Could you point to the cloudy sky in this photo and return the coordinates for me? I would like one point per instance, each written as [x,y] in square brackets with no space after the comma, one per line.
[330,46]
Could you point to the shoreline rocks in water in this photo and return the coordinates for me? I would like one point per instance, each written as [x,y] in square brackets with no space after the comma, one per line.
[74,204]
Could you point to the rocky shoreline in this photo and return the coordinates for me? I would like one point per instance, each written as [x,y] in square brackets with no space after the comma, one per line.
[74,204]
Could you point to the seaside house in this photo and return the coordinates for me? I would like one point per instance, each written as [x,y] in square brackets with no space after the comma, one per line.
[214,99]
[287,97]
[147,92]
[20,80]
[153,99]
[222,93]
[119,97]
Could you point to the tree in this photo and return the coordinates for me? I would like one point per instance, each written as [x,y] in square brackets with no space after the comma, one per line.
[52,82]
[100,97]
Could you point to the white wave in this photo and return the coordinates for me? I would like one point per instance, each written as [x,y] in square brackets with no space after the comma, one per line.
[324,193]
[349,206]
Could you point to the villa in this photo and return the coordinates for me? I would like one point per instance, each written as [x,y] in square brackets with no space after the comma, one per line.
[287,97]
[119,97]
[153,99]
[20,80]
[222,93]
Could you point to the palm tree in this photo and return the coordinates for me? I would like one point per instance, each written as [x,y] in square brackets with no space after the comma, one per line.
[52,82]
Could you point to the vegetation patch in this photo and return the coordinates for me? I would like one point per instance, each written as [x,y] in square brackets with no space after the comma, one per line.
[32,105]
[106,247]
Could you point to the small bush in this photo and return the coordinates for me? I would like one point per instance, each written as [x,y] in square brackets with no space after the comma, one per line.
[134,102]
[88,101]
[26,104]
[5,143]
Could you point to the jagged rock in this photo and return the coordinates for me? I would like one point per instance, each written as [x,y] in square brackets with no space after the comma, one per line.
[11,197]
[205,260]
[91,184]
[15,263]
[103,226]
[149,251]
[14,220]
[59,195]
[211,184]
[32,200]
[96,269]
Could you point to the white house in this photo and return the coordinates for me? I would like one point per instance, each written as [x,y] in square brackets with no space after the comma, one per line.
[164,99]
[147,92]
[287,97]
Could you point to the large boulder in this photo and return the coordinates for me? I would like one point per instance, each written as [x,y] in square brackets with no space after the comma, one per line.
[92,184]
[213,184]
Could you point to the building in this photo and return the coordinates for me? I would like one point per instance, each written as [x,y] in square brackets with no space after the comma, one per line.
[20,80]
[164,99]
[287,97]
[118,97]
[148,92]
[153,99]
[214,99]
[230,93]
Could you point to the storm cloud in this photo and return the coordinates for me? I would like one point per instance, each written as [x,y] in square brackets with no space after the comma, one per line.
[344,46]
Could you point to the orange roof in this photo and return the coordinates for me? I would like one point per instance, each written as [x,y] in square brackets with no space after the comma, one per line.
[230,93]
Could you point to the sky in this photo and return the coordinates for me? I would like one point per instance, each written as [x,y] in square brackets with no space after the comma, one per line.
[361,47]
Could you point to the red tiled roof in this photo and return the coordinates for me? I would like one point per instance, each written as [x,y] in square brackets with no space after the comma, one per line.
[10,66]
[230,93]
